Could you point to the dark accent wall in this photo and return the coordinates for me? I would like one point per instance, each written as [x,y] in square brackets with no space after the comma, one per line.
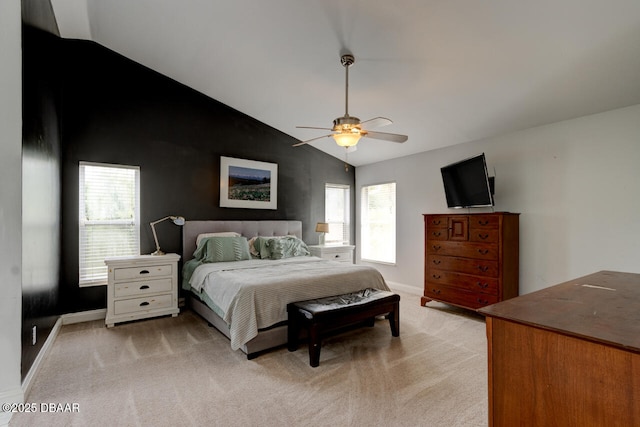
[117,111]
[41,215]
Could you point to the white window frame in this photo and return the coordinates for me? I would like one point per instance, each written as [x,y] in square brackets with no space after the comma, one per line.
[90,257]
[377,227]
[333,237]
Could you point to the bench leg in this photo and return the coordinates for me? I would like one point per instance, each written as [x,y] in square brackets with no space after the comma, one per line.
[394,320]
[293,332]
[314,345]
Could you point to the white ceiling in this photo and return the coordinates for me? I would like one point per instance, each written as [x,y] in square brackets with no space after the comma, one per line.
[445,71]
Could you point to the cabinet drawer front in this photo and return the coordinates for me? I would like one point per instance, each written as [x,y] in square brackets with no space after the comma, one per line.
[465,250]
[486,235]
[143,272]
[437,233]
[144,287]
[487,285]
[436,221]
[484,221]
[135,305]
[459,297]
[477,267]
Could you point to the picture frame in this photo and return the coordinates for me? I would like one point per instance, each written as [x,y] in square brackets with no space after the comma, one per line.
[248,184]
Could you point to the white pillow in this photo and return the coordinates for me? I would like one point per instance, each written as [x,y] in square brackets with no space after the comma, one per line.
[219,234]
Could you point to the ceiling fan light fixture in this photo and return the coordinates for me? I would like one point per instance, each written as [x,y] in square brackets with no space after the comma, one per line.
[346,139]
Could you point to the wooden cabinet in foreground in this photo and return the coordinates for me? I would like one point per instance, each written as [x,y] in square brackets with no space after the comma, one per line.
[568,355]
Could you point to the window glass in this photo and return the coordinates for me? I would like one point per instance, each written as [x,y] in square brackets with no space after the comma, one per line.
[378,223]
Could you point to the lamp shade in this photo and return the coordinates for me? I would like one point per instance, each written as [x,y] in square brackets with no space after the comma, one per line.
[322,227]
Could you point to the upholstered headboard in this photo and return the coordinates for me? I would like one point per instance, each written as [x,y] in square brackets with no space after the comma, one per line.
[249,229]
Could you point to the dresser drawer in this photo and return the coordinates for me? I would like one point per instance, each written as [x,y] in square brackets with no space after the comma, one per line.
[484,221]
[142,272]
[484,235]
[459,297]
[477,267]
[135,305]
[463,249]
[487,285]
[143,287]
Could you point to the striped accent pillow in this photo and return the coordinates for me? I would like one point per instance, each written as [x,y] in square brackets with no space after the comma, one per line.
[219,249]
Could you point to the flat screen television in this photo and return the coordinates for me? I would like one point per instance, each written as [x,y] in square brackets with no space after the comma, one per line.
[467,183]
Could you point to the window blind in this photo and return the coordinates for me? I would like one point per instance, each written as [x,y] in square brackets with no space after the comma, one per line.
[337,213]
[109,217]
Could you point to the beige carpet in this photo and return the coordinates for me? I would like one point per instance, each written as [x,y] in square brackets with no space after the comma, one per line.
[181,372]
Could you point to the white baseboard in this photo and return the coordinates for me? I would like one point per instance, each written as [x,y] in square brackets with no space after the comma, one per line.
[84,316]
[405,288]
[35,367]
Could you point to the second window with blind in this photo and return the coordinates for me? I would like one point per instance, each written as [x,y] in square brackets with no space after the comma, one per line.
[337,213]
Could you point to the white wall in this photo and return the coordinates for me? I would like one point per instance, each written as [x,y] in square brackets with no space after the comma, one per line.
[575,183]
[10,203]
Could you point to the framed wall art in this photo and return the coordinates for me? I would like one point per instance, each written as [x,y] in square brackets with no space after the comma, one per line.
[248,184]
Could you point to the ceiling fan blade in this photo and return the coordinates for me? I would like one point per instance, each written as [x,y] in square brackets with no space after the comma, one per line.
[375,122]
[311,127]
[310,140]
[393,137]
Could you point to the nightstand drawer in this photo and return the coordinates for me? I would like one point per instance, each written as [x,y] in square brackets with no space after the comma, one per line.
[142,304]
[142,272]
[339,256]
[144,287]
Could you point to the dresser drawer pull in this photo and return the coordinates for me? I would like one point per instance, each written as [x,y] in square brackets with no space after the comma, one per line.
[144,303]
[144,271]
[436,291]
[481,222]
[436,222]
[483,251]
[483,285]
[436,247]
[435,276]
[483,236]
[436,261]
[436,234]
[483,301]
[483,268]
[144,287]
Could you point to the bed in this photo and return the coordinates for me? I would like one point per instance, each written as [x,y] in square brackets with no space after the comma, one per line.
[246,300]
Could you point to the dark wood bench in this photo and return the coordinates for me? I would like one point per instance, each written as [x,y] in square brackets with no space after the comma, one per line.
[330,313]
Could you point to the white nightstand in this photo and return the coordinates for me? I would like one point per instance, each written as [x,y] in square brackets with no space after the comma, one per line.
[141,286]
[342,253]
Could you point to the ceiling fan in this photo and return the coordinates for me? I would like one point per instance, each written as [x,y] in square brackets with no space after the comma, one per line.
[347,130]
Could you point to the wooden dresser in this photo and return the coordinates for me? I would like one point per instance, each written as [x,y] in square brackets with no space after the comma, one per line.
[471,260]
[567,355]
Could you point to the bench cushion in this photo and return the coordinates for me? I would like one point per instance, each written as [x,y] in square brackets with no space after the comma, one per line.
[314,307]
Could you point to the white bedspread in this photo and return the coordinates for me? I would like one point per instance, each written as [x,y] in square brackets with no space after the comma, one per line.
[254,294]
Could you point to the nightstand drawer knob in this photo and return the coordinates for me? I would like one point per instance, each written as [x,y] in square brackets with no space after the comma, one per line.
[144,271]
[144,287]
[144,303]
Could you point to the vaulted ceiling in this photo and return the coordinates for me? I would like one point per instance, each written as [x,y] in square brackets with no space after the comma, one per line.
[446,72]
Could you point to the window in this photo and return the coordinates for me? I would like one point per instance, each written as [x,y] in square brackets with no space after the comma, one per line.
[109,217]
[337,213]
[378,223]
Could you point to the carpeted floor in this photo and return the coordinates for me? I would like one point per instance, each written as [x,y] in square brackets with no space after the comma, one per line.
[181,372]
